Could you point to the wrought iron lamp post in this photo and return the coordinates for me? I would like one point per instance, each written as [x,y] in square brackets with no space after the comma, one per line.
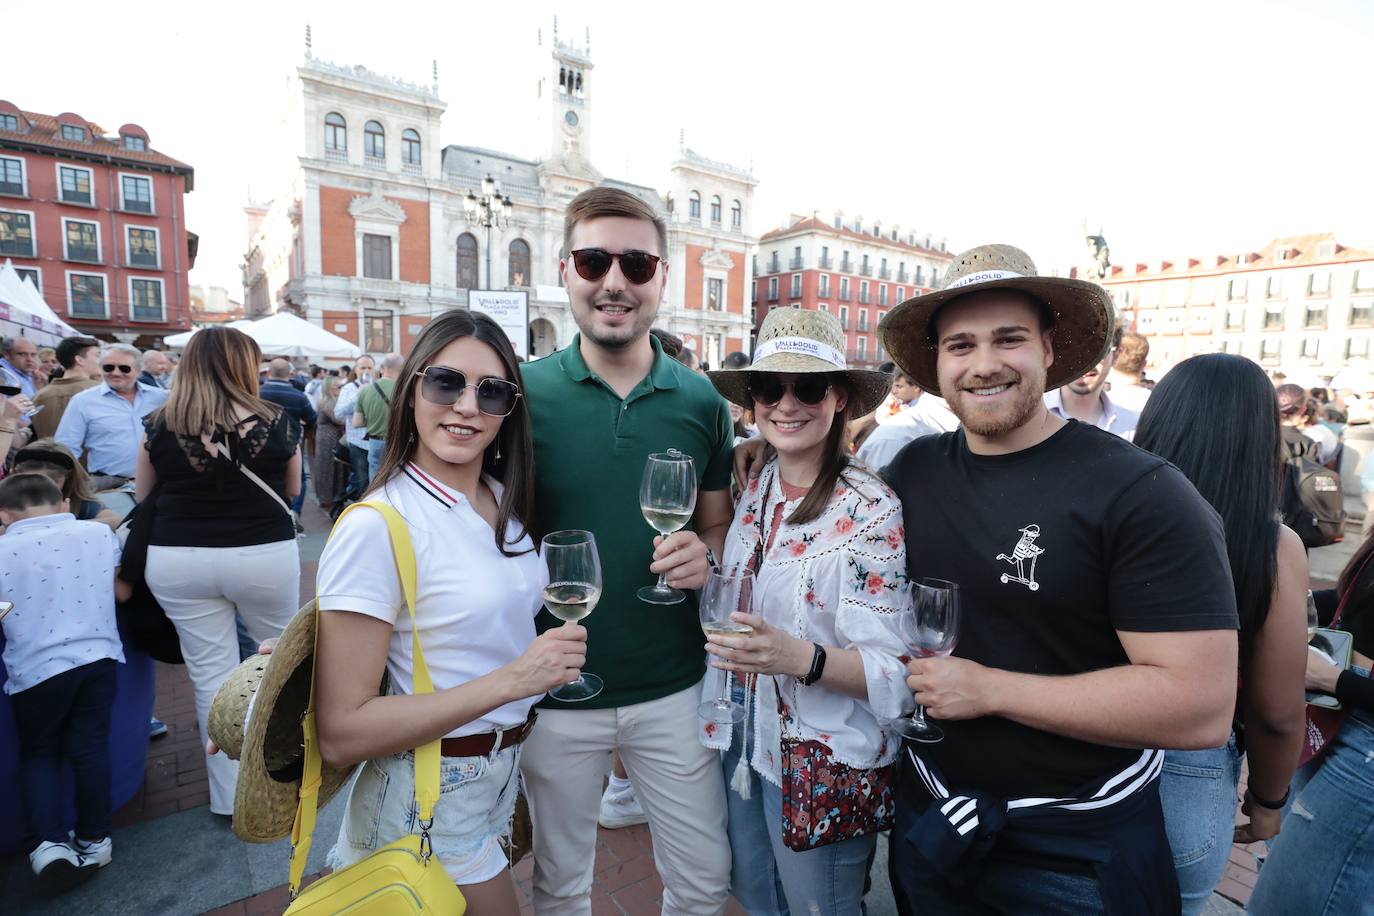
[490,210]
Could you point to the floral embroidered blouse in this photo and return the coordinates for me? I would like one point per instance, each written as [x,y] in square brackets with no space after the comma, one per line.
[839,580]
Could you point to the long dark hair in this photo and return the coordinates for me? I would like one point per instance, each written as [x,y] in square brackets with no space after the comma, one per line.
[1216,418]
[833,462]
[515,467]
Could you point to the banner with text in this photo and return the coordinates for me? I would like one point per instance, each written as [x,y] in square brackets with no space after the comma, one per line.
[508,308]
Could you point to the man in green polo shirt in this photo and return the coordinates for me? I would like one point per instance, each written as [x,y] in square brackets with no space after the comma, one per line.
[373,410]
[599,408]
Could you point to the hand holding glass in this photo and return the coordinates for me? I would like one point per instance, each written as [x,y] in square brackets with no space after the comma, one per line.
[667,497]
[572,593]
[722,595]
[930,630]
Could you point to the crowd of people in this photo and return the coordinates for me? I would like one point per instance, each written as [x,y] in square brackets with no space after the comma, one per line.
[1135,609]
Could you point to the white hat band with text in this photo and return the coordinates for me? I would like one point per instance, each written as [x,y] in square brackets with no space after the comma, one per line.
[803,346]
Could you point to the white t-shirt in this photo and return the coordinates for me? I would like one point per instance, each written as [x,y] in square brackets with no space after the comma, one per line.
[59,573]
[475,606]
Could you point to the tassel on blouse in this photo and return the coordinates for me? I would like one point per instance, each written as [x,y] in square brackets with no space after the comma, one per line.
[739,780]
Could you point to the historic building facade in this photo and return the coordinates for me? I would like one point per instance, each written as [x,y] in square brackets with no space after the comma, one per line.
[854,269]
[97,222]
[1298,302]
[375,231]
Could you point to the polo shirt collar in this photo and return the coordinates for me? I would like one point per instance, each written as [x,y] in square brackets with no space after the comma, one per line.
[661,374]
[1055,402]
[445,497]
[41,521]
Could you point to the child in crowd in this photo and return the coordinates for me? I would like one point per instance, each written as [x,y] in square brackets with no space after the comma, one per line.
[61,647]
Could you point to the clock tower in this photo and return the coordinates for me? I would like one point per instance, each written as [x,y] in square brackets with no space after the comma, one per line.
[565,97]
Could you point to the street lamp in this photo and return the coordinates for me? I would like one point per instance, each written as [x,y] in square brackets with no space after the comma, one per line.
[490,210]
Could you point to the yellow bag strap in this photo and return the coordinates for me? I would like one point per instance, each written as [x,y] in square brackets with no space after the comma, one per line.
[426,756]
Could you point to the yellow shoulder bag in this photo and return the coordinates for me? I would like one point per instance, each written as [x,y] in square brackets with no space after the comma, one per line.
[401,877]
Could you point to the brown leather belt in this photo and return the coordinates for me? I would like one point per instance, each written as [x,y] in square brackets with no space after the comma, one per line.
[487,742]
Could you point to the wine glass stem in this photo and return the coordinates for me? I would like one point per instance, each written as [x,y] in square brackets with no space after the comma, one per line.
[918,718]
[662,585]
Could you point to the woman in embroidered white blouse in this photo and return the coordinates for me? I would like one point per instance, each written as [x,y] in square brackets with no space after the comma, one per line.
[825,538]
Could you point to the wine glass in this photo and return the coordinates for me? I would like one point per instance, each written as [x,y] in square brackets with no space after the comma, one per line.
[1311,615]
[723,594]
[929,630]
[572,593]
[667,497]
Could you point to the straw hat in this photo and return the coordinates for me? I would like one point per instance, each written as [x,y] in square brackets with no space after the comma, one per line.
[800,341]
[1083,314]
[256,719]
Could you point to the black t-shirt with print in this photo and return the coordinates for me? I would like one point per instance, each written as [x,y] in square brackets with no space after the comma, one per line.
[1055,548]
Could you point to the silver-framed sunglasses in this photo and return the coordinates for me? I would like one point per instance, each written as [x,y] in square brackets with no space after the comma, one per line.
[440,385]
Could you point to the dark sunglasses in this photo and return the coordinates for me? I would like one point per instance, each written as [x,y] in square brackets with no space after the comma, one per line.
[111,367]
[594,263]
[496,397]
[767,389]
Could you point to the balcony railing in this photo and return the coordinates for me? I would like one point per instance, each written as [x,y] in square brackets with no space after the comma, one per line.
[83,254]
[903,276]
[844,324]
[774,267]
[865,270]
[336,155]
[825,262]
[824,292]
[863,326]
[413,168]
[884,273]
[846,266]
[375,162]
[844,294]
[795,264]
[772,295]
[865,299]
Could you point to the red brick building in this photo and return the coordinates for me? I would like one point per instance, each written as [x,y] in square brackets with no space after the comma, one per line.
[97,221]
[855,270]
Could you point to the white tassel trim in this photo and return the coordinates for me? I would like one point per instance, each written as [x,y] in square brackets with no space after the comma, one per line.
[739,780]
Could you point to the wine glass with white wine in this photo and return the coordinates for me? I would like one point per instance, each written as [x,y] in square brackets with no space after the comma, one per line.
[667,497]
[572,593]
[722,595]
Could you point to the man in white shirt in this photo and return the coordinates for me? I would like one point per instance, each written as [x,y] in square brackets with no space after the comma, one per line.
[1085,399]
[343,413]
[1127,373]
[926,415]
[104,424]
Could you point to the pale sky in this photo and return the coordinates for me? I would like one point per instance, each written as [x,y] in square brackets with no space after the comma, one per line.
[1177,128]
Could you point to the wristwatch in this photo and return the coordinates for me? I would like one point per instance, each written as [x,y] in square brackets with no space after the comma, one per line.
[817,667]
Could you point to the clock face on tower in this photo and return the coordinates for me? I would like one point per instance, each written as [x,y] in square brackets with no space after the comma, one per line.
[570,118]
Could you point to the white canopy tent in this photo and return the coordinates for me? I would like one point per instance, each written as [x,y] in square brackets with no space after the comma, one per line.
[180,340]
[284,334]
[24,313]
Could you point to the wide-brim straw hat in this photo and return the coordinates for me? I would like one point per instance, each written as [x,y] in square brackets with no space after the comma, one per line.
[1082,311]
[256,719]
[801,341]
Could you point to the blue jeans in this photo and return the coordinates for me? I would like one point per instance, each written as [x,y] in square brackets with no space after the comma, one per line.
[1198,791]
[375,447]
[1322,861]
[66,719]
[768,878]
[1003,888]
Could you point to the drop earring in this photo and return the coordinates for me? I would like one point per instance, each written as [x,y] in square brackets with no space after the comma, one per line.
[498,449]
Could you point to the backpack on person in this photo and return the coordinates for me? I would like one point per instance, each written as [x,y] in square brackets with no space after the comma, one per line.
[1312,502]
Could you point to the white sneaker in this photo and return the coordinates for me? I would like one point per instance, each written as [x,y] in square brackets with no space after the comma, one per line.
[57,866]
[96,854]
[620,809]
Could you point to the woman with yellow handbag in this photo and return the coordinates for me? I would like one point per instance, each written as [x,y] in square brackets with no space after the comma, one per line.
[458,470]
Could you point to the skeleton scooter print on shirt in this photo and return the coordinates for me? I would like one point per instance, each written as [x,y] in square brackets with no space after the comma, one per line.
[1025,552]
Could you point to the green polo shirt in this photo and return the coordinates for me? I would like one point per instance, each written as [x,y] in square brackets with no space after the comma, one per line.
[374,402]
[590,448]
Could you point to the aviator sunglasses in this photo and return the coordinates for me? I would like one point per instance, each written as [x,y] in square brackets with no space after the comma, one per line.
[111,367]
[496,397]
[594,263]
[768,388]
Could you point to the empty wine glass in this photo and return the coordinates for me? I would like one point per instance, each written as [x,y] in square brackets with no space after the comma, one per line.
[722,595]
[572,593]
[930,630]
[1312,620]
[667,497]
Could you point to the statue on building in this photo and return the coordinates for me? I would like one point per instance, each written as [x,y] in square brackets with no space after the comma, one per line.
[1099,256]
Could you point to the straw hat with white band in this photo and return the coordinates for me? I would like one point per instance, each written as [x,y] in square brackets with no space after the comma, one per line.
[1082,313]
[803,341]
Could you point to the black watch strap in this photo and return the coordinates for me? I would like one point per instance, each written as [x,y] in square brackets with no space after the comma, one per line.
[1265,803]
[817,667]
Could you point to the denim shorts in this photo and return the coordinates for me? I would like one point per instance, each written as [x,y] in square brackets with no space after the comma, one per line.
[476,800]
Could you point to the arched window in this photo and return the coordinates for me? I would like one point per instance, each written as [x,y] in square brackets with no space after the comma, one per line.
[467,262]
[715,209]
[374,140]
[736,215]
[335,132]
[694,206]
[519,263]
[410,147]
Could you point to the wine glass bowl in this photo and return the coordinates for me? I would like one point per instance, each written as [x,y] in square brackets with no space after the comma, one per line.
[572,593]
[667,497]
[723,594]
[929,630]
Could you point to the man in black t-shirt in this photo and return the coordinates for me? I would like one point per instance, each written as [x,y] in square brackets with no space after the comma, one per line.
[1099,620]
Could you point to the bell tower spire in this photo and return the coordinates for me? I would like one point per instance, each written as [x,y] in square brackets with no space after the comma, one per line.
[565,99]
